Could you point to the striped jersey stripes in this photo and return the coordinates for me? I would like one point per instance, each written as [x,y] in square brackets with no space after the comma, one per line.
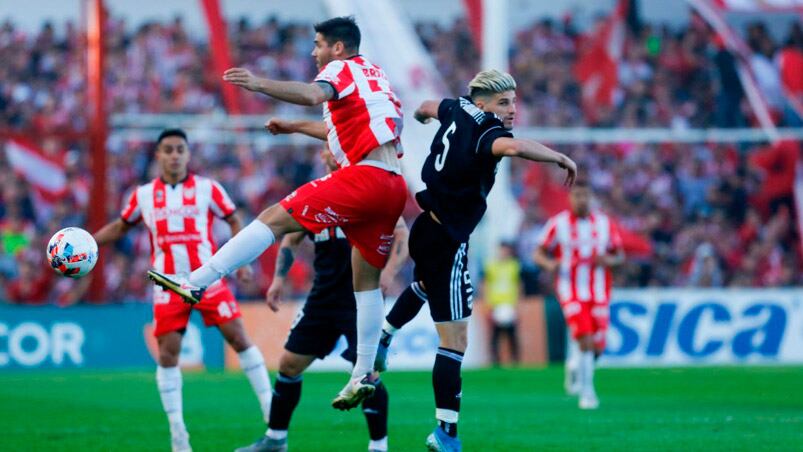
[179,219]
[364,114]
[576,242]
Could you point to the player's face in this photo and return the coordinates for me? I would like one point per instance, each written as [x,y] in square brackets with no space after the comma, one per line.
[580,200]
[173,155]
[503,105]
[322,51]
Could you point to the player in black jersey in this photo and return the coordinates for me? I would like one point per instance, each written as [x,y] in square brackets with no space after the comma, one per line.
[329,312]
[459,172]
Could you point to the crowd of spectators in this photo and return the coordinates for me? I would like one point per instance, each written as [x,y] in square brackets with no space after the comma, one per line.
[704,209]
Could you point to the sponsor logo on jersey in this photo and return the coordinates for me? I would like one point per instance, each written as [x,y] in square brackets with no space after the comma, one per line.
[162,213]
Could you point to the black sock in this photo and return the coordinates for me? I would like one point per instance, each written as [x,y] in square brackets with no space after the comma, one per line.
[447,384]
[407,306]
[286,394]
[375,409]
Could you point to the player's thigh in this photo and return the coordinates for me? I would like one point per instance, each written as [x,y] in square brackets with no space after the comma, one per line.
[279,221]
[441,265]
[170,313]
[453,335]
[294,364]
[313,333]
[578,318]
[218,305]
[234,333]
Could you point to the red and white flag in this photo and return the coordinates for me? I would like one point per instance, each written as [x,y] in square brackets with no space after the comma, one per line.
[597,64]
[44,172]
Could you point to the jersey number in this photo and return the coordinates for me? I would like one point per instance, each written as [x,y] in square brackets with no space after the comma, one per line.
[441,159]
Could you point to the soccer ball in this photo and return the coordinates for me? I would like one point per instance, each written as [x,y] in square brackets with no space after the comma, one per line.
[72,252]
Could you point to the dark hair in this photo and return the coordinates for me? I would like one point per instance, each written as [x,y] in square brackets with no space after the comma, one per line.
[171,133]
[343,29]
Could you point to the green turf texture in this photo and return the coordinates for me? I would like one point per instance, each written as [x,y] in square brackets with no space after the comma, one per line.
[735,408]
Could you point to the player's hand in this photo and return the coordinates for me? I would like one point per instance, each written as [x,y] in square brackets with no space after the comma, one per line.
[241,77]
[275,293]
[421,117]
[245,274]
[571,170]
[277,126]
[605,260]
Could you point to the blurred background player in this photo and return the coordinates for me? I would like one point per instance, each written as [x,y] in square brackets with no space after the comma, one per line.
[502,290]
[459,172]
[362,122]
[177,208]
[329,312]
[582,246]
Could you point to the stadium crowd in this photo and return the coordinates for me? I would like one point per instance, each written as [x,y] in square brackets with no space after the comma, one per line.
[713,215]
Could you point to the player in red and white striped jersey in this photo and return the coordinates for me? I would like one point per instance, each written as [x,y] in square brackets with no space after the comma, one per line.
[365,197]
[582,246]
[179,208]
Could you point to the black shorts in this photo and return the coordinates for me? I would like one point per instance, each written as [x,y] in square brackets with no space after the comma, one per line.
[441,264]
[316,332]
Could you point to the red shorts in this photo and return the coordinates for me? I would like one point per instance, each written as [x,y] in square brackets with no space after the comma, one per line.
[170,313]
[365,201]
[587,317]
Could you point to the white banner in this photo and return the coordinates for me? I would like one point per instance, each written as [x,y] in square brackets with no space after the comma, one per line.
[666,327]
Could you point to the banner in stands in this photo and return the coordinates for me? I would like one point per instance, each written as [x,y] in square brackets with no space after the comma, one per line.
[38,337]
[665,327]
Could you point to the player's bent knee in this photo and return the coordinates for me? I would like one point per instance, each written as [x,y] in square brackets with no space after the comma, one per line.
[291,365]
[453,335]
[278,220]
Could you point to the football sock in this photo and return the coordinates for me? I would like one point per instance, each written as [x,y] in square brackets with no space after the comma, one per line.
[241,249]
[286,394]
[406,308]
[253,365]
[587,371]
[375,409]
[370,311]
[168,380]
[447,384]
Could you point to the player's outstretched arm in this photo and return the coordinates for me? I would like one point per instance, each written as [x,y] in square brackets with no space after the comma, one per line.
[284,260]
[535,151]
[111,232]
[299,93]
[314,129]
[427,111]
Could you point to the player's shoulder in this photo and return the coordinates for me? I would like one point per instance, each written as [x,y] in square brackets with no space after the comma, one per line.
[563,215]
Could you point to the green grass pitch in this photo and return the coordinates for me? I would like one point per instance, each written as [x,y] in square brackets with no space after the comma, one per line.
[732,408]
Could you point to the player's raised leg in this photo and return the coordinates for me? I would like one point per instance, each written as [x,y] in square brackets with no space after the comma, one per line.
[403,311]
[251,362]
[169,382]
[243,248]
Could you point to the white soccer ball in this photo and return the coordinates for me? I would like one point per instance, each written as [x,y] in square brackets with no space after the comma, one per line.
[72,252]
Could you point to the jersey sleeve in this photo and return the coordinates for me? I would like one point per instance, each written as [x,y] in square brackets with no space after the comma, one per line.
[546,239]
[131,212]
[491,129]
[445,108]
[338,74]
[222,206]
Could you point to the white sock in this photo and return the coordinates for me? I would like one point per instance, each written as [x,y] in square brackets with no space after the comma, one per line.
[388,328]
[587,371]
[243,248]
[276,434]
[253,365]
[168,380]
[572,362]
[378,444]
[370,312]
